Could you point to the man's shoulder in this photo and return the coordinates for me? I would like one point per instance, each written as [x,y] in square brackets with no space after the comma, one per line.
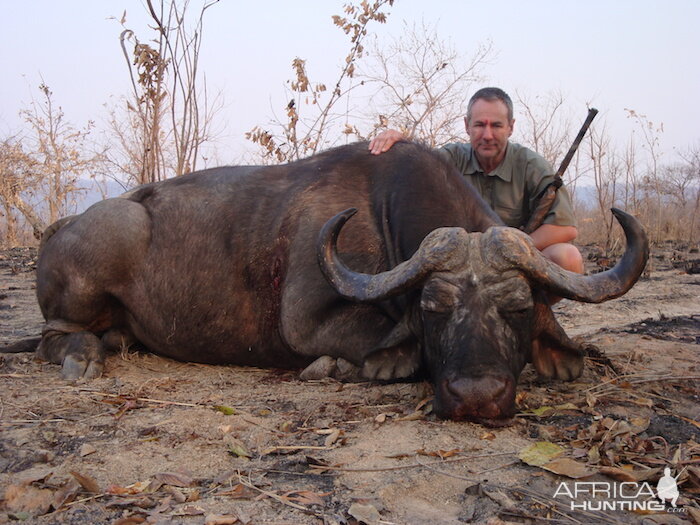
[459,153]
[523,152]
[524,156]
[458,148]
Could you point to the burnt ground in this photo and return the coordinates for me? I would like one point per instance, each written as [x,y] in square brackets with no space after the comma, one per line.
[159,441]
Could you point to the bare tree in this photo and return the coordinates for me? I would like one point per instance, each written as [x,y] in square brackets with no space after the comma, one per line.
[60,153]
[19,178]
[691,157]
[298,135]
[631,200]
[169,105]
[650,134]
[421,85]
[544,125]
[606,170]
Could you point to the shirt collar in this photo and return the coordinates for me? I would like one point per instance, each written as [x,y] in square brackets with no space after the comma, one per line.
[503,170]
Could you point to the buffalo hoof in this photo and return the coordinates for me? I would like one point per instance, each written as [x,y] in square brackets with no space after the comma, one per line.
[81,354]
[323,367]
[562,363]
[77,367]
[327,366]
[389,364]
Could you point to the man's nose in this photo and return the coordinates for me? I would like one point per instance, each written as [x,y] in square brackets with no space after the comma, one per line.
[488,132]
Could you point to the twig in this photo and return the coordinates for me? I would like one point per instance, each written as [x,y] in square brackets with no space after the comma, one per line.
[273,496]
[143,399]
[296,447]
[24,421]
[497,468]
[417,464]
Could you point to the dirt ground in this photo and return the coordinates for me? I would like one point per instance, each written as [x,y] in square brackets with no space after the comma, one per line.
[159,441]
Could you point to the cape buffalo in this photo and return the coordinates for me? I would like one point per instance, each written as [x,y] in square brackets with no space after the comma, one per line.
[256,266]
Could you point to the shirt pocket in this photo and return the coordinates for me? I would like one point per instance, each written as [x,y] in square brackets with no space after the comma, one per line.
[511,216]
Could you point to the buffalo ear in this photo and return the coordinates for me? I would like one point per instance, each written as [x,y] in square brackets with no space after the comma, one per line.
[556,362]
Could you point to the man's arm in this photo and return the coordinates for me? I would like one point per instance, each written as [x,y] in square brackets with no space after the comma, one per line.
[385,140]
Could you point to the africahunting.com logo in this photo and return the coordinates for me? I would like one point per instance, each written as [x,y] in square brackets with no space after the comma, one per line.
[625,496]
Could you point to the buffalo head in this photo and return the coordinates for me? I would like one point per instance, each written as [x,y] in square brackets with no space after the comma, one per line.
[481,308]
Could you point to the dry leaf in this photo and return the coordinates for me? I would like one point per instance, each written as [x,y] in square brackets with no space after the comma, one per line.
[490,436]
[36,475]
[365,513]
[412,417]
[639,424]
[225,410]
[189,510]
[694,513]
[237,449]
[305,497]
[175,479]
[381,418]
[594,454]
[178,496]
[569,468]
[549,410]
[142,502]
[86,450]
[591,399]
[540,453]
[287,426]
[643,401]
[25,498]
[66,494]
[87,482]
[131,520]
[694,473]
[240,491]
[442,454]
[333,437]
[629,474]
[214,519]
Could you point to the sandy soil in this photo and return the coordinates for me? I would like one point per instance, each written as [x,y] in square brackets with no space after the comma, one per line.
[159,441]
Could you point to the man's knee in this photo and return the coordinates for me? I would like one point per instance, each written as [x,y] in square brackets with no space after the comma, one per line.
[565,255]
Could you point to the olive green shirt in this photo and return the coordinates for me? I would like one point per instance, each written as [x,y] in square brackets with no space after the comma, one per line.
[513,187]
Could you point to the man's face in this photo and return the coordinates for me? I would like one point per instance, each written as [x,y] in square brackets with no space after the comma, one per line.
[489,130]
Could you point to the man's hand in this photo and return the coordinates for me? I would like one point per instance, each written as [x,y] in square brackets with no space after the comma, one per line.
[385,140]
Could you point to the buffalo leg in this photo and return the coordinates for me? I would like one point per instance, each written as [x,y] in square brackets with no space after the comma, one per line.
[81,354]
[554,354]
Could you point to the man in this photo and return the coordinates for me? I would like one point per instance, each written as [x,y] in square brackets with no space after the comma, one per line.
[509,176]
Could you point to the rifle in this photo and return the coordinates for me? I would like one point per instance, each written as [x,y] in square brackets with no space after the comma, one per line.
[546,197]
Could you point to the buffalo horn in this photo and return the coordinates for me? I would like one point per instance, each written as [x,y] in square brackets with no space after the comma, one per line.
[438,251]
[589,289]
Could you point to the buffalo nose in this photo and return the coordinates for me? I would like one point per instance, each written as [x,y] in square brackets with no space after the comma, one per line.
[483,397]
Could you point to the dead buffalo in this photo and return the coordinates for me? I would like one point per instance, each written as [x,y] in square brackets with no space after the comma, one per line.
[256,266]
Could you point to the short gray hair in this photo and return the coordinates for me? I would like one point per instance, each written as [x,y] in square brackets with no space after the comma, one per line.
[490,94]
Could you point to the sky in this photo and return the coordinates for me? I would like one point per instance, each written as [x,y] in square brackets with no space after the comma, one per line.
[611,54]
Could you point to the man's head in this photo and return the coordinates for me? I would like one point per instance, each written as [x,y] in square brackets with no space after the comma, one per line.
[489,123]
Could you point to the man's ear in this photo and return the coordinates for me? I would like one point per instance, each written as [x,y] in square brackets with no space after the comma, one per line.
[466,124]
[512,127]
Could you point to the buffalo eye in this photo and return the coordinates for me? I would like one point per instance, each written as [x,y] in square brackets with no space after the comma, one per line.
[439,296]
[516,307]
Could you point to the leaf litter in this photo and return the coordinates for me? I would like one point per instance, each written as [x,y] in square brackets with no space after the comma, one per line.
[157,441]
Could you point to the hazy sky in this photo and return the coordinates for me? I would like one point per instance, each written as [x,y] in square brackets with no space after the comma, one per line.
[613,54]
